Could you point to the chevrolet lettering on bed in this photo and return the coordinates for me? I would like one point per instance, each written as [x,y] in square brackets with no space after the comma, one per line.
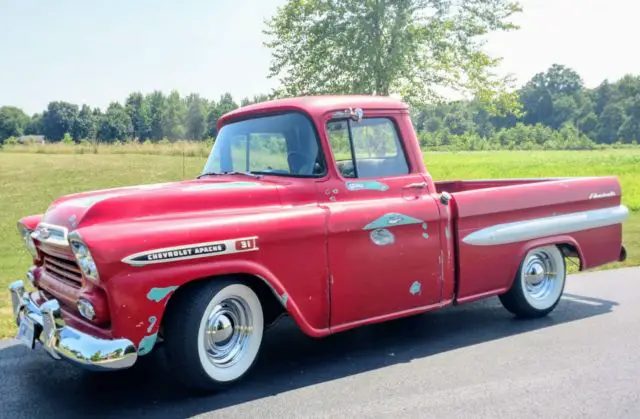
[319,208]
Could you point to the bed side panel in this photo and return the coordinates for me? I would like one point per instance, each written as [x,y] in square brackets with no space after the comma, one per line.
[489,253]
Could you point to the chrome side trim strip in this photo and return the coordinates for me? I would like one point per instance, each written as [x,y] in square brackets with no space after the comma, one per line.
[549,226]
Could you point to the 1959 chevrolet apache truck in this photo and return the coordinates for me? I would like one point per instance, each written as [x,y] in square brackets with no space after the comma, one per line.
[319,208]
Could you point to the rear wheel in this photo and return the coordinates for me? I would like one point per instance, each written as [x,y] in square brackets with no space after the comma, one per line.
[213,334]
[538,285]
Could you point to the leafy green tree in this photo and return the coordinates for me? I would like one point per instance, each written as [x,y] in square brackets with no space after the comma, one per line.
[173,117]
[138,110]
[157,105]
[256,99]
[85,125]
[13,122]
[565,109]
[603,95]
[196,123]
[630,128]
[610,122]
[115,124]
[35,125]
[58,119]
[407,47]
[537,104]
[628,86]
[216,110]
[561,80]
[588,124]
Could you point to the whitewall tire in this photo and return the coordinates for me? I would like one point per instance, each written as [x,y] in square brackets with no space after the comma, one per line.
[214,333]
[539,283]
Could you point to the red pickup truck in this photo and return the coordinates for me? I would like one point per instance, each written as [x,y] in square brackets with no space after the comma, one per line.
[319,208]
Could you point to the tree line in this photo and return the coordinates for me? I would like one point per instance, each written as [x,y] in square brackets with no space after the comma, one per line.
[154,116]
[555,110]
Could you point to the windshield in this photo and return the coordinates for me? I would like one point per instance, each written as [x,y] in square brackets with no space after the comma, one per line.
[284,144]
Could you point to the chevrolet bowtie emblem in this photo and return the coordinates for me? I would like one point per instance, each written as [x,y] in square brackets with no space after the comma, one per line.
[44,233]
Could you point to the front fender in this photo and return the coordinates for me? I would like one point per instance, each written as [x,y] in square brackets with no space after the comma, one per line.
[31,221]
[138,298]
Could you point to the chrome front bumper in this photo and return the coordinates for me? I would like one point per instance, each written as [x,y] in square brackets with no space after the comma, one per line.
[45,325]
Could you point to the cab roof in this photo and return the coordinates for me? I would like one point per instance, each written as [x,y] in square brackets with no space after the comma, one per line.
[317,105]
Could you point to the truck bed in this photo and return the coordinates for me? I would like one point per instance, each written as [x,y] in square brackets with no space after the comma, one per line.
[455,186]
[496,221]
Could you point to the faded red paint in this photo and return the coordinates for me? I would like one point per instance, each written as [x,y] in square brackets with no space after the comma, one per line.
[310,242]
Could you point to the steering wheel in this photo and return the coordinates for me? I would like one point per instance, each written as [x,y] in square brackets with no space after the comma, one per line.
[301,164]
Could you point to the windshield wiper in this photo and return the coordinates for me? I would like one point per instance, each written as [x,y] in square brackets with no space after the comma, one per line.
[232,172]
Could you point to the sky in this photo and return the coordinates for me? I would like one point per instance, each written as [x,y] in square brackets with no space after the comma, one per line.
[97,52]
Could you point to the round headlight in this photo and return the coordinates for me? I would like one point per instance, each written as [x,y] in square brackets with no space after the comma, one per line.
[85,260]
[25,234]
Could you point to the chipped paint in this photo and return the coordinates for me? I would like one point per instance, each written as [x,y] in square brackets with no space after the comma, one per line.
[331,193]
[152,322]
[284,298]
[382,237]
[415,288]
[425,234]
[371,185]
[227,185]
[158,294]
[147,343]
[392,219]
[447,233]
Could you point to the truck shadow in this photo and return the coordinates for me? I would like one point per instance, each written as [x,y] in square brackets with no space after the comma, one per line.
[290,361]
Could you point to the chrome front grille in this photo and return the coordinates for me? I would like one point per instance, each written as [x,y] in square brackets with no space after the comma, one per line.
[64,270]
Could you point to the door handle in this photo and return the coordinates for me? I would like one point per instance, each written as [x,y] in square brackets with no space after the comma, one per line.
[416,185]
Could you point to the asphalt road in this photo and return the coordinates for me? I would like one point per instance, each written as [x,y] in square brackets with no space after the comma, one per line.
[583,361]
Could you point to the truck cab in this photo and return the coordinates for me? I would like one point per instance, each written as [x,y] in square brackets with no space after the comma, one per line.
[320,208]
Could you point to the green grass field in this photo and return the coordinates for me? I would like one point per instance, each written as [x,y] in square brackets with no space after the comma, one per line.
[28,183]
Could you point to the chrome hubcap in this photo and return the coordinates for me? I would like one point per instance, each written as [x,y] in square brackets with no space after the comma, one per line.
[539,275]
[228,329]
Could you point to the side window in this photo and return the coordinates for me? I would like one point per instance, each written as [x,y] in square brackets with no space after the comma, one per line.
[376,144]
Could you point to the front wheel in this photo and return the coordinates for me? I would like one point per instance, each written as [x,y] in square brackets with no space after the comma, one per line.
[538,285]
[213,334]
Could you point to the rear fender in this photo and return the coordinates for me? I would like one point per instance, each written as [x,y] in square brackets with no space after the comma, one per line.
[547,241]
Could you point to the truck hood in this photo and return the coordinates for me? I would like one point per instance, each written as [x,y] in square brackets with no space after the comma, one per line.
[159,200]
